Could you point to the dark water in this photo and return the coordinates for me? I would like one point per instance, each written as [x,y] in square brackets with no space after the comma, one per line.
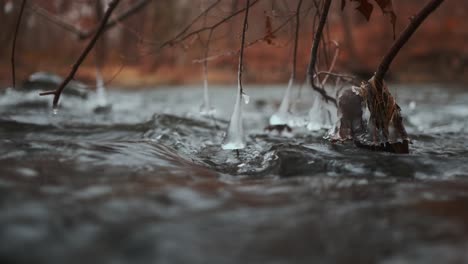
[149,183]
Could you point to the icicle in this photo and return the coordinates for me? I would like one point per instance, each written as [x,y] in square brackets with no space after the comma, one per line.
[101,97]
[246,98]
[234,138]
[205,108]
[282,116]
[319,116]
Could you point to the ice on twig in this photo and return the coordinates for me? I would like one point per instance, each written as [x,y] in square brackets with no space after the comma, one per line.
[321,115]
[206,109]
[101,97]
[246,98]
[234,138]
[283,116]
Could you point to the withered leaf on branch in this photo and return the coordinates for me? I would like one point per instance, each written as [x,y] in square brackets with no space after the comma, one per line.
[269,36]
[366,8]
[387,9]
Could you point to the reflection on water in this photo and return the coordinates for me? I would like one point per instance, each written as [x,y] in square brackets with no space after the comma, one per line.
[148,182]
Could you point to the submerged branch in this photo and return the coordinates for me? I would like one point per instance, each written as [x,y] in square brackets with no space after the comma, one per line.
[13,48]
[112,5]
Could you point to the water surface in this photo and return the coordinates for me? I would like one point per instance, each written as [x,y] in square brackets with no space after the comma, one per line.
[148,182]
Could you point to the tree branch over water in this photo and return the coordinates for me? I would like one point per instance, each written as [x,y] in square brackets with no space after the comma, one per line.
[83,35]
[13,48]
[416,21]
[241,54]
[89,47]
[314,51]
[183,35]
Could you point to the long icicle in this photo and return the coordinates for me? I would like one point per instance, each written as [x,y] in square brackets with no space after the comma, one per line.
[234,138]
[282,116]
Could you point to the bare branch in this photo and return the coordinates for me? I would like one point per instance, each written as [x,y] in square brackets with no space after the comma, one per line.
[82,35]
[416,21]
[13,48]
[89,47]
[247,45]
[57,21]
[186,28]
[182,36]
[314,51]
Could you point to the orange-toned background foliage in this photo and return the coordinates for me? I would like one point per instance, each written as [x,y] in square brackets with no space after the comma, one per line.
[438,52]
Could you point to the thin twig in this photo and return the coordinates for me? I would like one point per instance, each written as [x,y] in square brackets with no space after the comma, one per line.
[187,27]
[241,55]
[13,48]
[337,75]
[247,45]
[296,41]
[182,37]
[314,51]
[332,65]
[89,47]
[416,21]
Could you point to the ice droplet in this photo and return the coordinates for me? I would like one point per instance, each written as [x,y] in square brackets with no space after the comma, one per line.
[246,98]
[412,105]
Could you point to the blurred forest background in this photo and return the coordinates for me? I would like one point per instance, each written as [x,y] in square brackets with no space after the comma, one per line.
[135,53]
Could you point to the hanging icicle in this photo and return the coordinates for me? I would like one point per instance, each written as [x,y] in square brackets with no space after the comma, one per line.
[234,138]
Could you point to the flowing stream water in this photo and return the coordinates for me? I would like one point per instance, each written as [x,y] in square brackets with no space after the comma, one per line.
[148,182]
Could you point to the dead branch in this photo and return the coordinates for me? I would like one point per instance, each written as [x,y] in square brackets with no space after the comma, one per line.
[112,5]
[314,51]
[13,48]
[241,55]
[416,21]
[83,35]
